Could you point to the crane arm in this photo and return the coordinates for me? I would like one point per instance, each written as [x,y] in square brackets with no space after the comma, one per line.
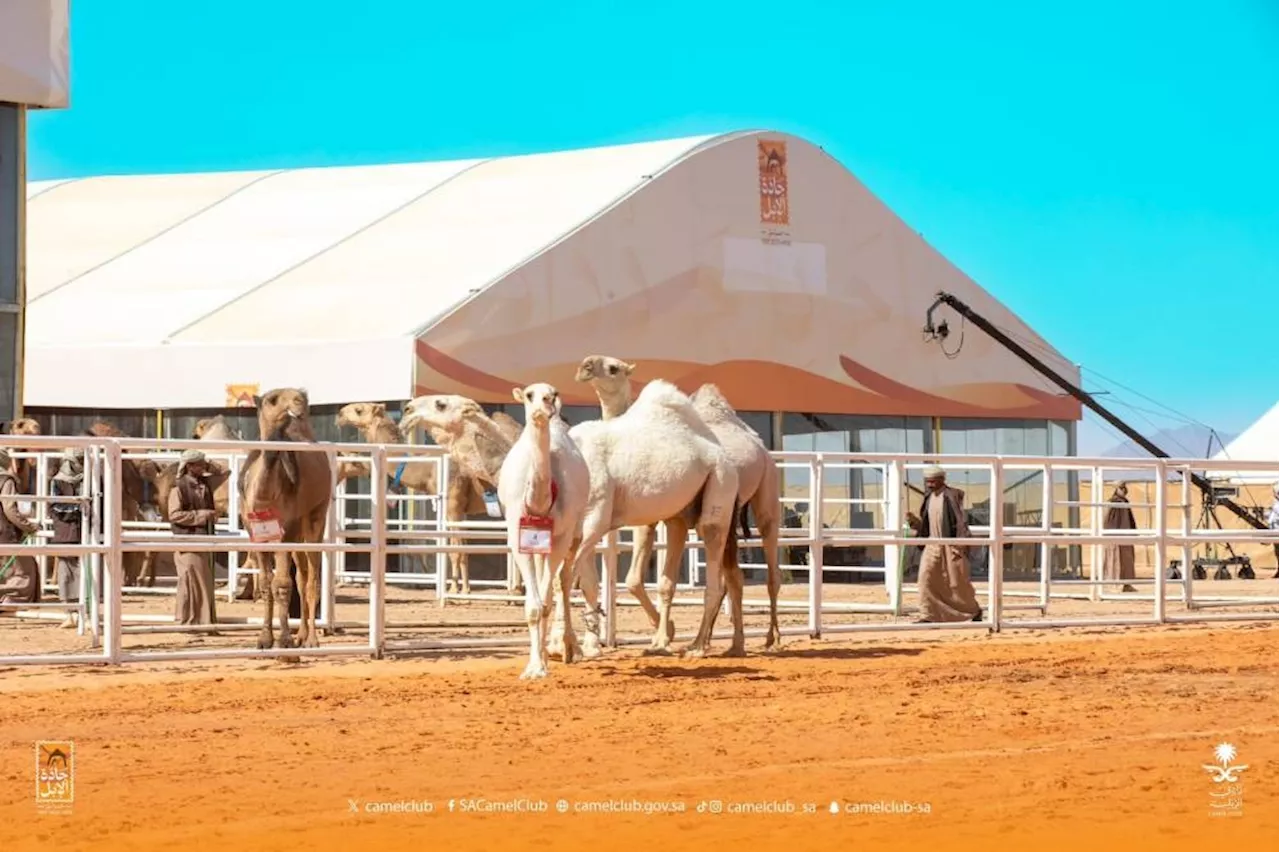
[1039,366]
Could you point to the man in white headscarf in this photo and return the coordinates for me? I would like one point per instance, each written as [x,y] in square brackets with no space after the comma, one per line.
[192,512]
[946,592]
[19,575]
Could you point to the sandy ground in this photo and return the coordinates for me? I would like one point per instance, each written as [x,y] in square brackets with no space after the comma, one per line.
[1075,738]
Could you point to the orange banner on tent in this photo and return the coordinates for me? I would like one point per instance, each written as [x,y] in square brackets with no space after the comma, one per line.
[772,159]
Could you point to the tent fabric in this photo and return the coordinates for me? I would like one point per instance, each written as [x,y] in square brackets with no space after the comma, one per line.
[1260,442]
[35,53]
[749,259]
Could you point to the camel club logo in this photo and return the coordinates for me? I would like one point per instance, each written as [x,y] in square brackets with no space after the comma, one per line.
[55,774]
[1227,797]
[771,160]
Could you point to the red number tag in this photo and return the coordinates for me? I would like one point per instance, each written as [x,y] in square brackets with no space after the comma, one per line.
[265,526]
[535,534]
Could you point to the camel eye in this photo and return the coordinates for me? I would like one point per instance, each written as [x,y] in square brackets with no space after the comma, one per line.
[440,406]
[613,370]
[528,395]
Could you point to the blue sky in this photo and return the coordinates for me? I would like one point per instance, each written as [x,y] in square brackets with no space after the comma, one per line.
[1108,170]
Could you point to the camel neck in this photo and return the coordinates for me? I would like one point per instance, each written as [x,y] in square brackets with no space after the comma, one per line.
[538,491]
[383,431]
[614,403]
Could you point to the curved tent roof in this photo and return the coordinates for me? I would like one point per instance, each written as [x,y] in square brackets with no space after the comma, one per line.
[166,291]
[1260,442]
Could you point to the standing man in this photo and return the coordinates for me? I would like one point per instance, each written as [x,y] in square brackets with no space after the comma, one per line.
[67,528]
[19,574]
[946,592]
[192,512]
[1117,559]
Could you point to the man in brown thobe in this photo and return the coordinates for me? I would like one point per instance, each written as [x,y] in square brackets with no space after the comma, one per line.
[19,575]
[192,512]
[1117,559]
[946,592]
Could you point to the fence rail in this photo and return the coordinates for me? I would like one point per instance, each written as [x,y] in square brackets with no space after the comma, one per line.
[415,525]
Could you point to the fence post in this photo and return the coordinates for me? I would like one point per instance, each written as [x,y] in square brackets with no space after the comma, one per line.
[1095,529]
[1046,549]
[995,564]
[893,523]
[1162,533]
[112,566]
[816,494]
[326,557]
[378,550]
[107,476]
[233,525]
[442,512]
[609,589]
[1188,553]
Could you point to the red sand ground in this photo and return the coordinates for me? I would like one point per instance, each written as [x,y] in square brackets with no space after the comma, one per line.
[1068,739]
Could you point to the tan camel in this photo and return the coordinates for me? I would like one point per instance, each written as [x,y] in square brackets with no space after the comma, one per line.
[298,488]
[137,477]
[759,485]
[477,445]
[25,468]
[465,495]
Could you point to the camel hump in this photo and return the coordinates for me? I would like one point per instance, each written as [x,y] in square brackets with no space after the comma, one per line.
[710,402]
[663,393]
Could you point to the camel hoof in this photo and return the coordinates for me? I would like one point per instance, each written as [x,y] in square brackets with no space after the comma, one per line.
[311,641]
[265,640]
[772,642]
[657,651]
[694,652]
[533,671]
[590,647]
[556,648]
[735,651]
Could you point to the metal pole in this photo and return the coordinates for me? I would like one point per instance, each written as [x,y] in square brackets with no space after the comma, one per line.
[378,558]
[442,511]
[233,524]
[113,572]
[1162,531]
[815,545]
[995,564]
[1046,550]
[893,522]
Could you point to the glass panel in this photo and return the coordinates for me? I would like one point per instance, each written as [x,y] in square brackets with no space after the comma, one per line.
[8,361]
[10,187]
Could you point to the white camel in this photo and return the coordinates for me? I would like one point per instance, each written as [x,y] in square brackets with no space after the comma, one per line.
[543,488]
[611,379]
[660,462]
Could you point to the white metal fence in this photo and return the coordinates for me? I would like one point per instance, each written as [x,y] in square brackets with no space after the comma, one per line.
[415,525]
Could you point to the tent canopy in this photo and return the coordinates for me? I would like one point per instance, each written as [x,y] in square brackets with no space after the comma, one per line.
[1260,442]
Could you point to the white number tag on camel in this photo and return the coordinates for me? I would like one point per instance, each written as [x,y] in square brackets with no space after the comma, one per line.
[535,534]
[265,526]
[491,505]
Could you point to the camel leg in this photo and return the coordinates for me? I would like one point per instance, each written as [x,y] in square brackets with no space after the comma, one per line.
[714,536]
[537,666]
[731,579]
[265,638]
[593,530]
[640,554]
[308,562]
[561,626]
[767,520]
[665,630]
[281,586]
[147,577]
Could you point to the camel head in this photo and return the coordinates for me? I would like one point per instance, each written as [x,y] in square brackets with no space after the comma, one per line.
[24,426]
[282,409]
[541,402]
[604,372]
[439,414]
[214,429]
[361,415]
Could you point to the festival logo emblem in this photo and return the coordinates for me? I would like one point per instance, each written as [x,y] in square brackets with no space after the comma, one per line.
[55,775]
[1227,797]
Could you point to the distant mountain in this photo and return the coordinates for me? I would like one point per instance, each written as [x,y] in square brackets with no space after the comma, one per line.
[1191,442]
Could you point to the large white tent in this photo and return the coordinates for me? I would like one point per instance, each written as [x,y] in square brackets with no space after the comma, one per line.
[750,259]
[1260,442]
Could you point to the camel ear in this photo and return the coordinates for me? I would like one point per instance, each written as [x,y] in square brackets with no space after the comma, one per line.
[379,409]
[257,401]
[517,394]
[629,368]
[559,404]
